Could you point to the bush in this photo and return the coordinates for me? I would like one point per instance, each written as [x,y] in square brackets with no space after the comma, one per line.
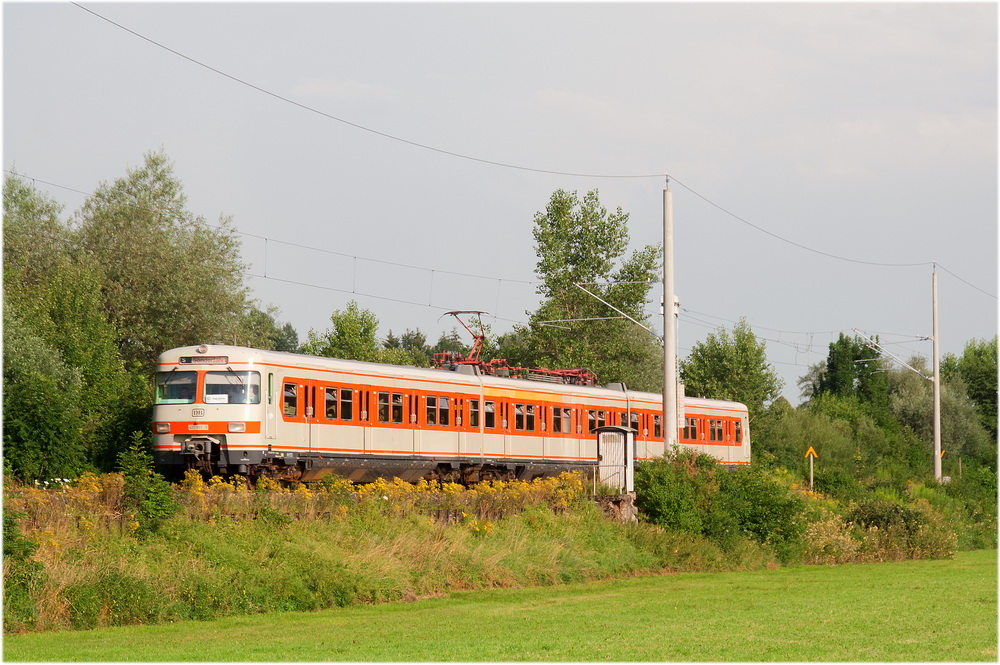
[674,491]
[42,433]
[148,497]
[884,514]
[689,492]
[837,482]
[830,541]
[761,509]
[892,531]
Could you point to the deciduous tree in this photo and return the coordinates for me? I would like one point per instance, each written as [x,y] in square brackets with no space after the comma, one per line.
[354,336]
[853,368]
[578,242]
[977,367]
[168,279]
[731,367]
[52,295]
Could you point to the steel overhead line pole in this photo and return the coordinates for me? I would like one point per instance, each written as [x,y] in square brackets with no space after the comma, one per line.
[669,324]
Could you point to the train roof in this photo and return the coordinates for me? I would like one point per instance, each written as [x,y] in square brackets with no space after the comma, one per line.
[243,354]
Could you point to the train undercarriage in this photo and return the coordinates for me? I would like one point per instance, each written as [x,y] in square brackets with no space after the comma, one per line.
[209,456]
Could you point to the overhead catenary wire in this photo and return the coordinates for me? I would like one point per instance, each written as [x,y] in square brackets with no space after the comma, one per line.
[356,125]
[502,164]
[355,257]
[686,311]
[809,348]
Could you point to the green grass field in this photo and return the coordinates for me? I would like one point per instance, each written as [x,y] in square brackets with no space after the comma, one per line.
[944,610]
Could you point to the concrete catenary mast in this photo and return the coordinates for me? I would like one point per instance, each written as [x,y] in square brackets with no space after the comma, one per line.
[669,324]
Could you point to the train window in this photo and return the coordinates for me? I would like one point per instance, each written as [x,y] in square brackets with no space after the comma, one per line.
[519,416]
[443,418]
[290,401]
[331,403]
[489,415]
[397,407]
[714,430]
[176,387]
[656,426]
[691,429]
[473,413]
[591,420]
[567,421]
[633,420]
[383,407]
[231,387]
[556,420]
[738,426]
[432,409]
[346,404]
[529,415]
[601,422]
[623,419]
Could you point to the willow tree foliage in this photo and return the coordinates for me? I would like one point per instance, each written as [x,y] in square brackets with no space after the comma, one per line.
[732,367]
[578,242]
[962,431]
[168,279]
[977,368]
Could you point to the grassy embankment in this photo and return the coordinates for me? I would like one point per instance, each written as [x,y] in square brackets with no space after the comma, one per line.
[79,558]
[942,610]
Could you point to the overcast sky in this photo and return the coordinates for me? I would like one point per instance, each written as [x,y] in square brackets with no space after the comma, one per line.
[809,146]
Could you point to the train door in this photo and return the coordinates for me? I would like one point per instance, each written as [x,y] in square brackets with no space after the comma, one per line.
[312,422]
[412,401]
[472,441]
[271,411]
[544,413]
[505,423]
[311,395]
[462,422]
[295,405]
[364,398]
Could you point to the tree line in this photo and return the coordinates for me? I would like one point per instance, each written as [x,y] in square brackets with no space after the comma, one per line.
[93,298]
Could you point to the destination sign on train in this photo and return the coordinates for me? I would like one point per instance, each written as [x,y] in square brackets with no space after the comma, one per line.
[203,360]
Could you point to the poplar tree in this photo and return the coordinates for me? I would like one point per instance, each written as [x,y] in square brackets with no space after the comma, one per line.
[579,242]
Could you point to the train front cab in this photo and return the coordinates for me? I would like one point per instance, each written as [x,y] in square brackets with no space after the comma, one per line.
[207,412]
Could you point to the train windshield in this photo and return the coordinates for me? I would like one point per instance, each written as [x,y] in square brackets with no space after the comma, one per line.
[232,387]
[176,387]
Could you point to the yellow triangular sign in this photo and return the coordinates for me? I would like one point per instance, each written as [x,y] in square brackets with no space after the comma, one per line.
[811,452]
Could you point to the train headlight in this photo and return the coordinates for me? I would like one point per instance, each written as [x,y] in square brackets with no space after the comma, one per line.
[163,428]
[237,427]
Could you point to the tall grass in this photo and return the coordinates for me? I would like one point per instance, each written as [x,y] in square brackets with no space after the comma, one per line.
[89,561]
[232,549]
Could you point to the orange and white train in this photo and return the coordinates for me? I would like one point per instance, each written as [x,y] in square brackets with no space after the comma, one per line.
[231,409]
